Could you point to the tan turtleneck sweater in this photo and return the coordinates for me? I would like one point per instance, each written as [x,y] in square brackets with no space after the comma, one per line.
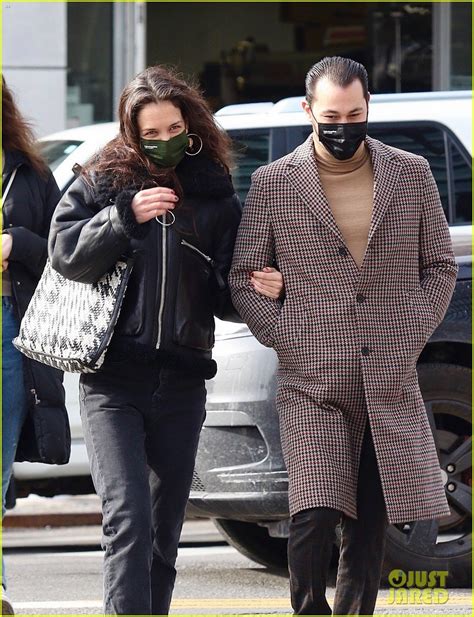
[349,188]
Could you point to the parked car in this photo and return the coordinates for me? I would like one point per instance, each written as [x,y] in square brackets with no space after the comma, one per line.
[240,478]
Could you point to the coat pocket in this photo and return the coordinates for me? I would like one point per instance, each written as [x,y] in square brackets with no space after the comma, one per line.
[288,330]
[194,313]
[420,305]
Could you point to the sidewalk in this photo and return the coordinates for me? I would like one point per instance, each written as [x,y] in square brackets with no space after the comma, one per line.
[76,520]
[63,510]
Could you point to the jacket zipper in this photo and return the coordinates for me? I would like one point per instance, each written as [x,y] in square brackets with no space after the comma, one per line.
[33,392]
[194,248]
[163,281]
[32,385]
[13,171]
[217,273]
[34,396]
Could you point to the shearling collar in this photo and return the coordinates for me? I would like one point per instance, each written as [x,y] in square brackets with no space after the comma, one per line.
[203,177]
[199,177]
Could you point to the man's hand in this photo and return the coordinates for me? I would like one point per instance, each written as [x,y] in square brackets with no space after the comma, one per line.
[7,242]
[268,282]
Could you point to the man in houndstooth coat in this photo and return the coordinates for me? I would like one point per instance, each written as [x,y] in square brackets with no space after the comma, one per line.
[356,439]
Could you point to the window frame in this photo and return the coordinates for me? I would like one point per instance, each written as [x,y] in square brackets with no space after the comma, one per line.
[449,138]
[236,135]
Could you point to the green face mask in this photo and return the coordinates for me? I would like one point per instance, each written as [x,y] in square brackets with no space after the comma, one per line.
[165,153]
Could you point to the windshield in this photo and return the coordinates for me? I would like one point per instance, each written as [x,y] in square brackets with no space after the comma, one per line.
[56,151]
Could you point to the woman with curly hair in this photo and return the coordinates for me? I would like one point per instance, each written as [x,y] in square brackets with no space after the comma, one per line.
[30,195]
[160,190]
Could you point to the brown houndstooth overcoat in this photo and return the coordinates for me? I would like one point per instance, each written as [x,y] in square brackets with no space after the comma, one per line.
[348,339]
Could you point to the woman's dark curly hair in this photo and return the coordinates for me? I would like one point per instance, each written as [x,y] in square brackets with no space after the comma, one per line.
[123,158]
[17,133]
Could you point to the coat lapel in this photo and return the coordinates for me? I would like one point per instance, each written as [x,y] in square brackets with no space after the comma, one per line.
[386,174]
[302,173]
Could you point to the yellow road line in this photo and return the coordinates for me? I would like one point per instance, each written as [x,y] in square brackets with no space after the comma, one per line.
[455,599]
[284,603]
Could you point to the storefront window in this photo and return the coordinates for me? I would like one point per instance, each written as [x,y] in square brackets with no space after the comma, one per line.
[262,53]
[401,46]
[461,46]
[90,52]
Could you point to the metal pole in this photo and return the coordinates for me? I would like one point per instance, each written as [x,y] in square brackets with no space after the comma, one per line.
[140,36]
[398,51]
[441,61]
[129,44]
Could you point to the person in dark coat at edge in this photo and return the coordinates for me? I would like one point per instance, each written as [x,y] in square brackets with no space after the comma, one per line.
[26,215]
[369,272]
[160,191]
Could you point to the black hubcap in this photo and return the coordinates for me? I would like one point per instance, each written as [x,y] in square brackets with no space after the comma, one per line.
[451,534]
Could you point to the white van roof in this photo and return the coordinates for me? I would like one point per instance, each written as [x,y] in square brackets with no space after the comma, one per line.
[453,109]
[293,104]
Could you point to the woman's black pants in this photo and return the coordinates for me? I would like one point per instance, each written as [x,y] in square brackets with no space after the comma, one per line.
[141,434]
[310,545]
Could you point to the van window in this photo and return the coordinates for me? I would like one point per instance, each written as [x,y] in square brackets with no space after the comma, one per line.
[447,161]
[438,146]
[423,139]
[251,150]
[462,187]
[56,151]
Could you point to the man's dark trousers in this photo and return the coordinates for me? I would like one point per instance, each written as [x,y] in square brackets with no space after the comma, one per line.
[312,534]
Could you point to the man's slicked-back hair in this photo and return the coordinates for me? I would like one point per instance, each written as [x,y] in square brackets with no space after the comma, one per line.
[341,71]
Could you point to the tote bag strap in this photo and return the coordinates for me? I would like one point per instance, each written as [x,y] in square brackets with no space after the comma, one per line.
[10,182]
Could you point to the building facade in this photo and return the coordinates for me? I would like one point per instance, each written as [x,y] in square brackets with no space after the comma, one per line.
[68,62]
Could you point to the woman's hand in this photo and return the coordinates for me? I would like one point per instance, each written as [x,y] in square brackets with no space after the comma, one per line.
[153,202]
[7,242]
[268,282]
[4,265]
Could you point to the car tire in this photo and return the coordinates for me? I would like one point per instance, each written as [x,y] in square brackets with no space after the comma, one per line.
[254,542]
[446,390]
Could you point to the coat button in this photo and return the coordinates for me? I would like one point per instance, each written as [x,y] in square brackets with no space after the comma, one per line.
[360,298]
[365,351]
[342,251]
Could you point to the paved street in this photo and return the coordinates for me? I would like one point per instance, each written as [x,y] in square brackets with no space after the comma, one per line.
[58,569]
[211,579]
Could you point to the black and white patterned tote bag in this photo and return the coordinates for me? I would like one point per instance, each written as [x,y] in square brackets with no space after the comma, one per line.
[69,324]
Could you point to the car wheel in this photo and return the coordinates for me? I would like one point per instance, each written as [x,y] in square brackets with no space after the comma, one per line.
[446,543]
[254,542]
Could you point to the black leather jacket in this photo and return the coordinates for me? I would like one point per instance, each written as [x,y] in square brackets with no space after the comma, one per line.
[179,279]
[27,213]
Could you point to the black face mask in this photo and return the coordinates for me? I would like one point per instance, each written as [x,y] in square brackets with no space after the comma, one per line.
[341,139]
